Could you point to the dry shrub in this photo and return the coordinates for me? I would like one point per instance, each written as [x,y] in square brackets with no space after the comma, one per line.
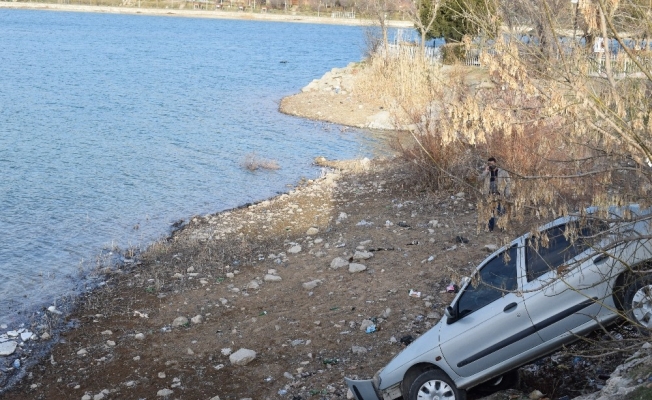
[253,162]
[404,82]
[437,166]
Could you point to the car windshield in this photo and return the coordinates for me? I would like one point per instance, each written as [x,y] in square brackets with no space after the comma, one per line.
[495,278]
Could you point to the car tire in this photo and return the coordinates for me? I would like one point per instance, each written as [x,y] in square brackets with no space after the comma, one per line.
[506,381]
[638,303]
[435,384]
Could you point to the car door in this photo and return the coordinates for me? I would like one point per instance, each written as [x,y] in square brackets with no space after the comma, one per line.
[490,323]
[566,283]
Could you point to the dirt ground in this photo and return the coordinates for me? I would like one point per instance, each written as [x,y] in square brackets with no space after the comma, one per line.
[219,268]
[263,278]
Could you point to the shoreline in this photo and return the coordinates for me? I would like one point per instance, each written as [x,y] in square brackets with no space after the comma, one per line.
[209,14]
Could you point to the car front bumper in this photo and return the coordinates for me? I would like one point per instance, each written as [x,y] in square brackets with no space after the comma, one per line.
[362,390]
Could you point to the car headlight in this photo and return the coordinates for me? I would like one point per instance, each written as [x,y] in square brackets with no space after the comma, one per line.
[376,379]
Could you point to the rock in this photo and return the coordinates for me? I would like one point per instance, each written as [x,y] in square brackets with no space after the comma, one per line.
[272,278]
[164,392]
[25,336]
[197,319]
[386,313]
[312,284]
[180,321]
[362,255]
[226,351]
[339,262]
[54,310]
[107,332]
[433,315]
[312,231]
[535,395]
[86,397]
[242,357]
[253,285]
[110,343]
[358,350]
[82,352]
[7,348]
[382,120]
[294,249]
[99,396]
[366,324]
[353,268]
[45,336]
[139,336]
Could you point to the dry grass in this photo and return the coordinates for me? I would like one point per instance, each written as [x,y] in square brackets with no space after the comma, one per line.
[253,162]
[405,84]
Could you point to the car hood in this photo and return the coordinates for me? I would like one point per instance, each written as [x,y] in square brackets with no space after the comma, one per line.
[423,349]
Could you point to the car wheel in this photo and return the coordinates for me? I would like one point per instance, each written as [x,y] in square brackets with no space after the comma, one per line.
[506,381]
[435,385]
[638,303]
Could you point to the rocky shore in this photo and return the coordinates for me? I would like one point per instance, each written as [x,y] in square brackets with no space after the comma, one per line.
[283,298]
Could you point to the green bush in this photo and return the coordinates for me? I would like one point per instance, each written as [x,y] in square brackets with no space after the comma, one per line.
[452,53]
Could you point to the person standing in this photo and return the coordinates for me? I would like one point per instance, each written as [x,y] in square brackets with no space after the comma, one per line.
[496,184]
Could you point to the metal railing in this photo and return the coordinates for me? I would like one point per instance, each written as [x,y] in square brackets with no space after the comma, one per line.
[409,50]
[343,14]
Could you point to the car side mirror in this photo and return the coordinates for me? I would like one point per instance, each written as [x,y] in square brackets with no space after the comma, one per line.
[451,314]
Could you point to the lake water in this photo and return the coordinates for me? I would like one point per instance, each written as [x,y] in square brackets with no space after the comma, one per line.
[112,122]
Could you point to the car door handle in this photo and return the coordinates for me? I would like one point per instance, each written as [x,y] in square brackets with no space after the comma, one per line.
[509,307]
[601,258]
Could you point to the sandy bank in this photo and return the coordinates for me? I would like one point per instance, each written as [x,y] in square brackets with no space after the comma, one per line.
[215,14]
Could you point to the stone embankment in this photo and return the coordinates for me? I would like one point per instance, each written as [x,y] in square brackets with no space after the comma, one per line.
[334,98]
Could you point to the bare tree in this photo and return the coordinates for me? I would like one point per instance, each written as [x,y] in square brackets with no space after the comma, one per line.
[379,10]
[424,13]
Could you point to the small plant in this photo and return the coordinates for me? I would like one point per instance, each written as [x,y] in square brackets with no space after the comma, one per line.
[150,289]
[640,393]
[252,162]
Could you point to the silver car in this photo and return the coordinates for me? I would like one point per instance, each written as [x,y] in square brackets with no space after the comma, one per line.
[525,301]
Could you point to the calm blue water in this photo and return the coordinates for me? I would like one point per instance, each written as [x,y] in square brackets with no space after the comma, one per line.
[113,121]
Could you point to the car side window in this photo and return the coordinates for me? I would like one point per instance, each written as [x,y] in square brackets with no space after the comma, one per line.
[494,280]
[554,248]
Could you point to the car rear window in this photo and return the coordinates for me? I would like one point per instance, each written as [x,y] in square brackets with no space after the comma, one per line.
[556,246]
